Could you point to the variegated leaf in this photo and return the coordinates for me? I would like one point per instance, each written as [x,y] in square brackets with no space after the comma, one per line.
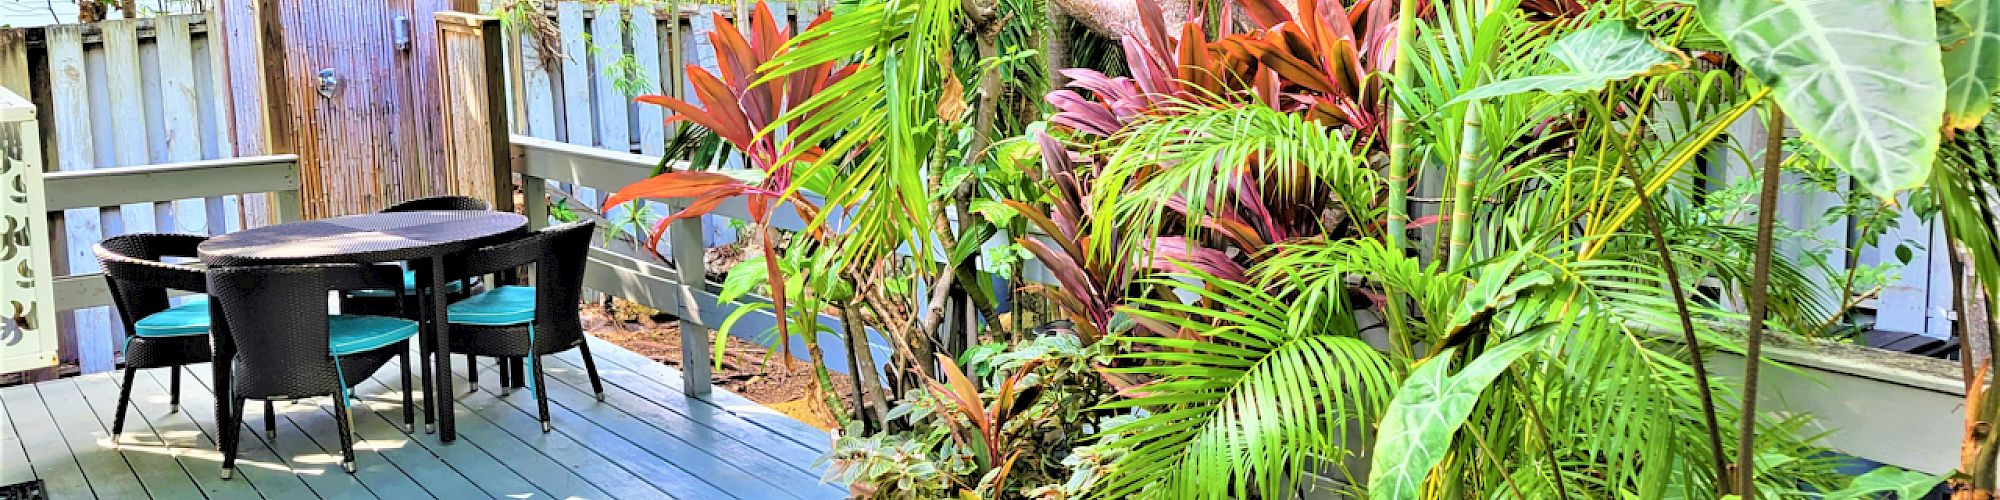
[1428,410]
[1862,80]
[1972,64]
[1603,53]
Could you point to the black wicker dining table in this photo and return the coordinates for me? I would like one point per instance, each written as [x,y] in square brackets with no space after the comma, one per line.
[425,239]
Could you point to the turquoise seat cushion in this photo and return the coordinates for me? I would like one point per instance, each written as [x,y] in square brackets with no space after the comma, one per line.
[409,286]
[501,306]
[185,319]
[353,333]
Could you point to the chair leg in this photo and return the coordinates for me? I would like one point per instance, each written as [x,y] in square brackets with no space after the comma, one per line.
[270,419]
[541,391]
[504,364]
[471,374]
[520,373]
[430,403]
[409,401]
[346,418]
[231,435]
[124,400]
[590,365]
[174,391]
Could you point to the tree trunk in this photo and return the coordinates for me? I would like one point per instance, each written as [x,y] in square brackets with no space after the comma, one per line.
[1981,445]
[1760,295]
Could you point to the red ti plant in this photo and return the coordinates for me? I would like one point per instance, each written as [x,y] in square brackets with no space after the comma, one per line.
[741,107]
[1318,63]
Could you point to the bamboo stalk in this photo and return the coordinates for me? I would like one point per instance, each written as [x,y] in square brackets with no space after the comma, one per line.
[1760,297]
[1399,169]
[1469,145]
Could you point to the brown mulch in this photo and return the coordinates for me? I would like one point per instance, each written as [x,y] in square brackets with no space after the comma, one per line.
[747,369]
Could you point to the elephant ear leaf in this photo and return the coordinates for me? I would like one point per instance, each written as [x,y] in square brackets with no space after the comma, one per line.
[1861,80]
[1428,410]
[1606,52]
[1887,479]
[1971,61]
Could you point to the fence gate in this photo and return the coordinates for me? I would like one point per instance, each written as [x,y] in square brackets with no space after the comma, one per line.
[27,315]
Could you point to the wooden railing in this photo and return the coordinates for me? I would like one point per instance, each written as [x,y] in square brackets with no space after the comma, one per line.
[632,273]
[277,174]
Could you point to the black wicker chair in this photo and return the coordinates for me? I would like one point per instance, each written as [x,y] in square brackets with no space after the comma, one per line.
[520,321]
[157,333]
[288,347]
[447,202]
[382,302]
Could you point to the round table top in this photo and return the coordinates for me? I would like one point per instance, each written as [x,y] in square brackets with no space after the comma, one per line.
[380,237]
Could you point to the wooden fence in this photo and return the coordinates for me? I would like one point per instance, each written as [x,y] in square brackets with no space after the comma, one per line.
[118,94]
[611,54]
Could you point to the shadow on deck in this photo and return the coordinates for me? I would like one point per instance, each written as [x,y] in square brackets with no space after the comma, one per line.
[646,440]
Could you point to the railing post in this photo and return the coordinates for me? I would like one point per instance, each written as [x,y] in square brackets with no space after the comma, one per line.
[685,238]
[534,190]
[290,204]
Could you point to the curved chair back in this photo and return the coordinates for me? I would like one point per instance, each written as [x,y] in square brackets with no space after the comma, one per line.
[277,321]
[138,276]
[557,255]
[447,202]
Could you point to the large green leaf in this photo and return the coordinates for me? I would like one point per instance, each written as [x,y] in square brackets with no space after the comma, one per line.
[1862,80]
[1428,410]
[1886,479]
[1606,52]
[1971,64]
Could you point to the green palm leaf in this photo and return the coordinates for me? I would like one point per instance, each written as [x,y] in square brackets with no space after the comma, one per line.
[1252,407]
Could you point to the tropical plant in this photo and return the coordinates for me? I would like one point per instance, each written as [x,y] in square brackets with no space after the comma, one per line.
[739,108]
[1007,441]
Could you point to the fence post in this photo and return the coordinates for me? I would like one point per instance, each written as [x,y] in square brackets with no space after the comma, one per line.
[684,237]
[473,91]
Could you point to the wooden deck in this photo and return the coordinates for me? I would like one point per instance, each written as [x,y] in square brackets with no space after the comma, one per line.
[646,440]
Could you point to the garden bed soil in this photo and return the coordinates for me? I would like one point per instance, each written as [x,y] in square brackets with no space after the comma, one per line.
[747,369]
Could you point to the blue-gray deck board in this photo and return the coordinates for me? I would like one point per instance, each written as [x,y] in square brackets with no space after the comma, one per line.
[647,440]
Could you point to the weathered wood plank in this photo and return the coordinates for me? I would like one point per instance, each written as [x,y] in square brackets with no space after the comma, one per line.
[309,441]
[646,52]
[587,458]
[77,189]
[158,472]
[180,114]
[524,460]
[379,421]
[131,145]
[191,443]
[607,34]
[578,123]
[258,457]
[106,471]
[776,434]
[69,93]
[378,425]
[578,119]
[1940,307]
[240,82]
[225,213]
[14,466]
[54,463]
[538,92]
[729,464]
[1902,304]
[791,442]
